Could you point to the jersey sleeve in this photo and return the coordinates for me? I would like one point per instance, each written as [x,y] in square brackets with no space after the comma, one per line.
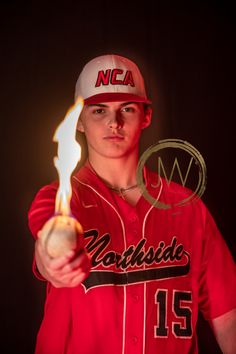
[41,210]
[217,288]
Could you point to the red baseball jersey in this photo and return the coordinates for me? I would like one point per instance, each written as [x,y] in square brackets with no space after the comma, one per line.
[152,270]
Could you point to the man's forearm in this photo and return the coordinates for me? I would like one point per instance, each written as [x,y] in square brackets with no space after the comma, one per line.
[224,328]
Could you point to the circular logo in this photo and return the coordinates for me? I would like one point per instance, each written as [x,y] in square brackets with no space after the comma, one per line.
[174,144]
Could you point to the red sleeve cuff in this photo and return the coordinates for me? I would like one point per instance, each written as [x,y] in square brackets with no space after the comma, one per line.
[36,271]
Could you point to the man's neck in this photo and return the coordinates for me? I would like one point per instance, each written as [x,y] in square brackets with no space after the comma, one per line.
[118,172]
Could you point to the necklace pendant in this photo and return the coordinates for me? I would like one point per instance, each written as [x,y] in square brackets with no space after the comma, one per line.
[121,193]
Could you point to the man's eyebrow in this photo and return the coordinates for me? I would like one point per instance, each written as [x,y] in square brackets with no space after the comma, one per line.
[97,105]
[127,103]
[104,105]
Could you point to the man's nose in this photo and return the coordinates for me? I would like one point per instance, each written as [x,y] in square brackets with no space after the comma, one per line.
[115,120]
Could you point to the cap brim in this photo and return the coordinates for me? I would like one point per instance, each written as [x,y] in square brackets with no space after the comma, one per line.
[115,97]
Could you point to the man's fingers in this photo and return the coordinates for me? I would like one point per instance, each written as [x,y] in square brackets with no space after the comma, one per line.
[53,263]
[81,261]
[66,271]
[60,262]
[77,279]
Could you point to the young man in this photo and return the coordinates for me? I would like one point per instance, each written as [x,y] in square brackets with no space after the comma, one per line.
[145,272]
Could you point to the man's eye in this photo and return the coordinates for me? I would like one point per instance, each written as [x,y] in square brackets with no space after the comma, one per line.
[98,111]
[127,109]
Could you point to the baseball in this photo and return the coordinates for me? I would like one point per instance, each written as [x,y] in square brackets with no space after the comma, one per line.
[61,234]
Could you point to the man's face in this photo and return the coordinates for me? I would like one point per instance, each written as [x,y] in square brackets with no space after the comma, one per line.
[113,129]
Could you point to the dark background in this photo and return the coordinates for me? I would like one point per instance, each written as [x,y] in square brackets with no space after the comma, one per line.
[186,52]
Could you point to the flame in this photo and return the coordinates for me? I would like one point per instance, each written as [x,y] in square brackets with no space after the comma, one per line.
[69,153]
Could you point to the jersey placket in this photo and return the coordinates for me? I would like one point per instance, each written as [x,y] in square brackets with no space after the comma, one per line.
[134,315]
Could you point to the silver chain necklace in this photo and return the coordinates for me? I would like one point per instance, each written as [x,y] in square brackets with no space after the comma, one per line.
[120,191]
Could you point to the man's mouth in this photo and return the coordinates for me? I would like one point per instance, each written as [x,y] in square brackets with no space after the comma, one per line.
[114,137]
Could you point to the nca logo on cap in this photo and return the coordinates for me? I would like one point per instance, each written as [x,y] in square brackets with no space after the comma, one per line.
[110,78]
[114,77]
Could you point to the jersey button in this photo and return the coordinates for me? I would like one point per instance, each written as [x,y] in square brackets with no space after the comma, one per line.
[136,298]
[134,340]
[133,218]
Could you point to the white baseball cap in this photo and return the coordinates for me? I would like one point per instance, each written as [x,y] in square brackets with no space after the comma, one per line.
[110,78]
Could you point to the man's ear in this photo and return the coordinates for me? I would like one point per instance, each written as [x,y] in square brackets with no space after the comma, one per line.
[80,126]
[147,117]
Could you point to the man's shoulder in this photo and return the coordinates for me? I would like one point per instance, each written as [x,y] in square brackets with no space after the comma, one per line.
[168,187]
[172,193]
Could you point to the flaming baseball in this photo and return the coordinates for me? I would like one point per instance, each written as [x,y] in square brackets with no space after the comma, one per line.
[63,232]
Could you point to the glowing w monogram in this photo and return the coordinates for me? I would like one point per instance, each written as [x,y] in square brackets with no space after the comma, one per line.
[175,144]
[175,166]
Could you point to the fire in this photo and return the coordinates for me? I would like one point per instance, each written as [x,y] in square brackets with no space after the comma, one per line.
[69,153]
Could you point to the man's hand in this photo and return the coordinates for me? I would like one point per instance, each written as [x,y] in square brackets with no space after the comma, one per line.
[66,271]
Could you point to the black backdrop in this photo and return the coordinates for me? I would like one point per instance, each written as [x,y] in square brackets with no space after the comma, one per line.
[187,54]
